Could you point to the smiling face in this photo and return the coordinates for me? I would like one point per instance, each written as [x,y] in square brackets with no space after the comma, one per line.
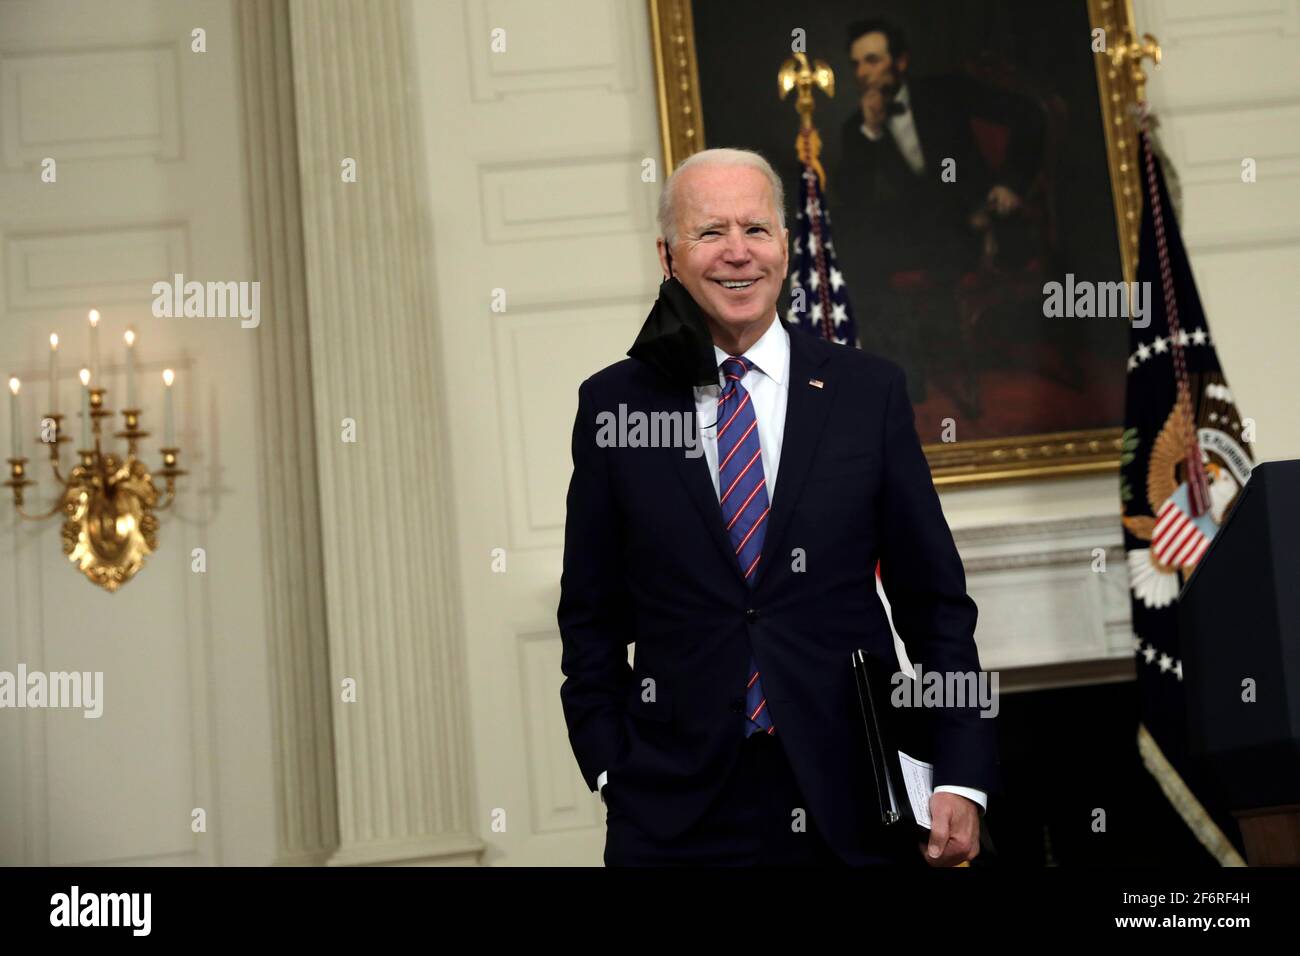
[731,253]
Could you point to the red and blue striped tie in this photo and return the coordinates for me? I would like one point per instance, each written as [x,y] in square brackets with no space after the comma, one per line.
[742,488]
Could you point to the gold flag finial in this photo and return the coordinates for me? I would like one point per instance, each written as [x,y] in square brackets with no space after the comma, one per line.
[799,75]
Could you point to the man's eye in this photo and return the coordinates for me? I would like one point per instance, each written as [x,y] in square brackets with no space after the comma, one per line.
[757,229]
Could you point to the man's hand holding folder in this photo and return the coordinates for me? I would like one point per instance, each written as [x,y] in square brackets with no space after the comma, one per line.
[954,830]
[898,746]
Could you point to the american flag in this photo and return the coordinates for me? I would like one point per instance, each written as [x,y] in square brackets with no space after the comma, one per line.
[1177,541]
[819,298]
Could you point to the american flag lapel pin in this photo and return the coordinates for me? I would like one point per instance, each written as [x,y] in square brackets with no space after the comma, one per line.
[816,382]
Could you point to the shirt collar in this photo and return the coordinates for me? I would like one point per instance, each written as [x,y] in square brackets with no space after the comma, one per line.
[902,96]
[768,353]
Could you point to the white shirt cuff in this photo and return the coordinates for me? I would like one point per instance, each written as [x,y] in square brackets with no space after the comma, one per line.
[970,793]
[977,796]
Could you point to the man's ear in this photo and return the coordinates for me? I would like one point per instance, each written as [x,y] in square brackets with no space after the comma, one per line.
[900,67]
[665,258]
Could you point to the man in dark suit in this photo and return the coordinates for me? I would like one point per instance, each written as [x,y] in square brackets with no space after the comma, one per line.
[914,197]
[732,738]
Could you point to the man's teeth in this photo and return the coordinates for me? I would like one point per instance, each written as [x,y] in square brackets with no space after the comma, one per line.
[737,285]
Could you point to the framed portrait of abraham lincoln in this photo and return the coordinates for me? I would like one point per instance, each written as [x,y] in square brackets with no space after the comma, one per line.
[979,168]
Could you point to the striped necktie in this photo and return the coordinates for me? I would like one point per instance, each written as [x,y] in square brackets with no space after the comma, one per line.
[742,489]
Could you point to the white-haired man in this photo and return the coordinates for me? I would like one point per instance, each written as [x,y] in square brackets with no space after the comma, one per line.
[732,740]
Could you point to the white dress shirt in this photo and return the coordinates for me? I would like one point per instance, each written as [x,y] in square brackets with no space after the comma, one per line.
[903,127]
[768,384]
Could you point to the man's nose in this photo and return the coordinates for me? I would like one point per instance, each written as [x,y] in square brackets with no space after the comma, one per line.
[735,248]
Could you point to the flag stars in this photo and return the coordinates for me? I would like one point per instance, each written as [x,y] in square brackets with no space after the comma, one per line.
[1165,662]
[822,305]
[1161,345]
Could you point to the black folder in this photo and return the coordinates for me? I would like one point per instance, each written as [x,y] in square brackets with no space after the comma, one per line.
[887,730]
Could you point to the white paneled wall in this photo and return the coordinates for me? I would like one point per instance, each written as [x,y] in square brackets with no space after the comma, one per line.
[146,135]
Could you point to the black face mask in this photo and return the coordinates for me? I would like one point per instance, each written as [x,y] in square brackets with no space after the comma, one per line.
[675,338]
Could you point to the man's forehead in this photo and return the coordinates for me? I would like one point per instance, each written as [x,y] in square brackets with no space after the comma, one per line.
[707,199]
[873,42]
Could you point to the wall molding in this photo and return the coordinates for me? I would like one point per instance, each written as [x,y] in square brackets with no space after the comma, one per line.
[306,817]
[403,761]
[1046,618]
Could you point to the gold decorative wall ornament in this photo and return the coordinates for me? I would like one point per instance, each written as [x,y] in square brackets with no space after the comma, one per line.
[108,502]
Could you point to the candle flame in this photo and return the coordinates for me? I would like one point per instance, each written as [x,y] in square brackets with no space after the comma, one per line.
[85,376]
[130,338]
[54,341]
[168,377]
[94,316]
[14,385]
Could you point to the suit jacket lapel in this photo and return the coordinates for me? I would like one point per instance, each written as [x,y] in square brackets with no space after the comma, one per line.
[806,410]
[805,416]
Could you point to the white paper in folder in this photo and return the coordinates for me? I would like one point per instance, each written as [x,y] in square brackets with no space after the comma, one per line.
[918,778]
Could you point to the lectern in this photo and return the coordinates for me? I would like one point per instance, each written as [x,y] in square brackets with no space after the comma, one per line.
[1239,623]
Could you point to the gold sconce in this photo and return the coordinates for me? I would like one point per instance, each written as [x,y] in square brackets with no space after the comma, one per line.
[108,502]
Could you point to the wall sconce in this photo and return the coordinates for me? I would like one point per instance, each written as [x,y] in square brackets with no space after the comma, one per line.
[108,502]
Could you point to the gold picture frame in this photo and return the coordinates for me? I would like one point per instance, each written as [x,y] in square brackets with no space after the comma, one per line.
[1119,85]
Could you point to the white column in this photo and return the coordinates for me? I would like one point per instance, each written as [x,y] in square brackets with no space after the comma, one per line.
[402,749]
[306,810]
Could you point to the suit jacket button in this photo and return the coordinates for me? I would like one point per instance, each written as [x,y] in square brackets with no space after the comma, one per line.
[751,615]
[737,705]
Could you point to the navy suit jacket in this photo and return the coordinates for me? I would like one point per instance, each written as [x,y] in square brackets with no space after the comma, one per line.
[647,560]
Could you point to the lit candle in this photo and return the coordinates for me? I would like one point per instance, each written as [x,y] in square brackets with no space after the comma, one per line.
[169,426]
[130,368]
[85,408]
[54,374]
[15,420]
[94,343]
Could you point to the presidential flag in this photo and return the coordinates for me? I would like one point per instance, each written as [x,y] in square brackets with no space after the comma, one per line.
[819,298]
[1185,458]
